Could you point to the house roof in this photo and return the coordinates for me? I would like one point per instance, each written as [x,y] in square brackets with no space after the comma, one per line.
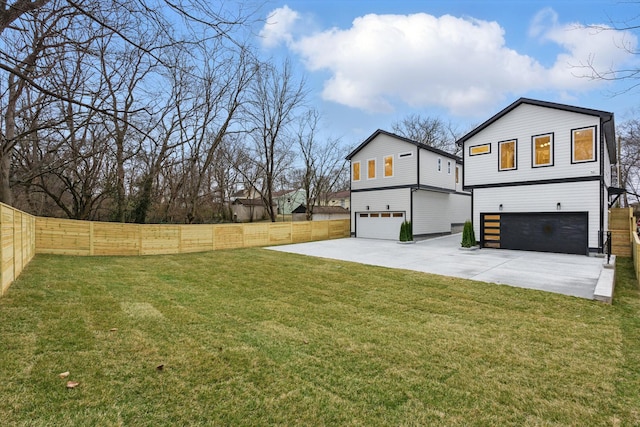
[339,194]
[402,138]
[606,120]
[249,202]
[322,209]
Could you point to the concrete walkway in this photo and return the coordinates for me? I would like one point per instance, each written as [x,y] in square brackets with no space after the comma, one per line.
[574,275]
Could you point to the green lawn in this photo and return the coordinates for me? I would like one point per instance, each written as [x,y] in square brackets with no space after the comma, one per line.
[255,337]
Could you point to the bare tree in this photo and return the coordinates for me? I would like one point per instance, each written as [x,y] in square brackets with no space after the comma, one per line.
[275,99]
[323,162]
[433,132]
[629,134]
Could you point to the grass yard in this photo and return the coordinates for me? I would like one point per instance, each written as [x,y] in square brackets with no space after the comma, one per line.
[254,337]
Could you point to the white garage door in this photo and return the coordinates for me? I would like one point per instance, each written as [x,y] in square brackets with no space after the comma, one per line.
[379,225]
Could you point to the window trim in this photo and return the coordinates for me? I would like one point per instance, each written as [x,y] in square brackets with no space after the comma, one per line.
[551,154]
[515,155]
[353,178]
[375,166]
[480,145]
[384,167]
[594,145]
[457,174]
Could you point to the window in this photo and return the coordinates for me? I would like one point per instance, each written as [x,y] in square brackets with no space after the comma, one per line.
[449,167]
[439,164]
[407,154]
[480,149]
[457,175]
[388,166]
[371,169]
[507,157]
[583,145]
[542,150]
[356,171]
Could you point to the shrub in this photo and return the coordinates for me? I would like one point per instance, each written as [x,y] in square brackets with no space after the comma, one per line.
[406,232]
[468,235]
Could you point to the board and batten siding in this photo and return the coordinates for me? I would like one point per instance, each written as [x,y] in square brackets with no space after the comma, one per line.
[522,123]
[541,198]
[404,168]
[398,200]
[435,212]
[429,174]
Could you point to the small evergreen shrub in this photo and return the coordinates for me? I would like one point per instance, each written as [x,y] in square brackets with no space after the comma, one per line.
[468,235]
[406,232]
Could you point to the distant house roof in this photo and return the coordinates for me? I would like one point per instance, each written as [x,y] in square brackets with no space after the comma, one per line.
[605,117]
[249,202]
[339,194]
[322,209]
[402,138]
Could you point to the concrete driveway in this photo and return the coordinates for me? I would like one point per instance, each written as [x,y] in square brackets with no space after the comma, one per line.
[574,275]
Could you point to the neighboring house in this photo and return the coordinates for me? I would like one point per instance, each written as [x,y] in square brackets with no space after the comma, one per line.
[339,198]
[394,179]
[321,213]
[540,174]
[288,200]
[248,210]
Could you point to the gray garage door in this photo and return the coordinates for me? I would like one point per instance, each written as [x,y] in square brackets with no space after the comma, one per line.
[565,232]
[379,225]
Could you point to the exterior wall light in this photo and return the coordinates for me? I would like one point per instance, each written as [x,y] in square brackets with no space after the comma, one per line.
[558,206]
[500,207]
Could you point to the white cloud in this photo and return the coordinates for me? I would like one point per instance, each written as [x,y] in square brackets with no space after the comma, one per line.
[461,64]
[278,27]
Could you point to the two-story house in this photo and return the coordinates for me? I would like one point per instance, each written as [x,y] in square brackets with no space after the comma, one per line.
[540,173]
[394,179]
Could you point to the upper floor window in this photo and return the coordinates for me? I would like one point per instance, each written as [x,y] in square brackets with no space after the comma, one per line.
[476,150]
[356,171]
[371,169]
[457,175]
[449,167]
[542,149]
[439,164]
[507,155]
[388,166]
[583,145]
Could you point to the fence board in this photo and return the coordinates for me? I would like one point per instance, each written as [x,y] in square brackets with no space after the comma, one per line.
[159,239]
[196,238]
[63,236]
[17,244]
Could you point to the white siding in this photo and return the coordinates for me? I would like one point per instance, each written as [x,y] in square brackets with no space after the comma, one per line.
[522,123]
[435,212]
[377,200]
[404,169]
[573,197]
[429,174]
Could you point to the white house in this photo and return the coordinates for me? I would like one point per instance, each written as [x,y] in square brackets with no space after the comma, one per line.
[540,175]
[394,179]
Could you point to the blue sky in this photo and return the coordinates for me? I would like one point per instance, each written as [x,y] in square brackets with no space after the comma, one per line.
[371,63]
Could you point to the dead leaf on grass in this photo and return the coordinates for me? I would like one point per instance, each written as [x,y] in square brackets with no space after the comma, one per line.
[160,367]
[113,330]
[64,374]
[72,384]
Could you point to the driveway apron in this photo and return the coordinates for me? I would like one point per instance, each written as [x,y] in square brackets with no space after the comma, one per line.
[575,275]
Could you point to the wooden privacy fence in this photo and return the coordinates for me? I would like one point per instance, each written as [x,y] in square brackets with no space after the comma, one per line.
[70,237]
[17,247]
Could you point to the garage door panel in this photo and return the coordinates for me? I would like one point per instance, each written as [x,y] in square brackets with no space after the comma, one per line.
[565,232]
[379,225]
